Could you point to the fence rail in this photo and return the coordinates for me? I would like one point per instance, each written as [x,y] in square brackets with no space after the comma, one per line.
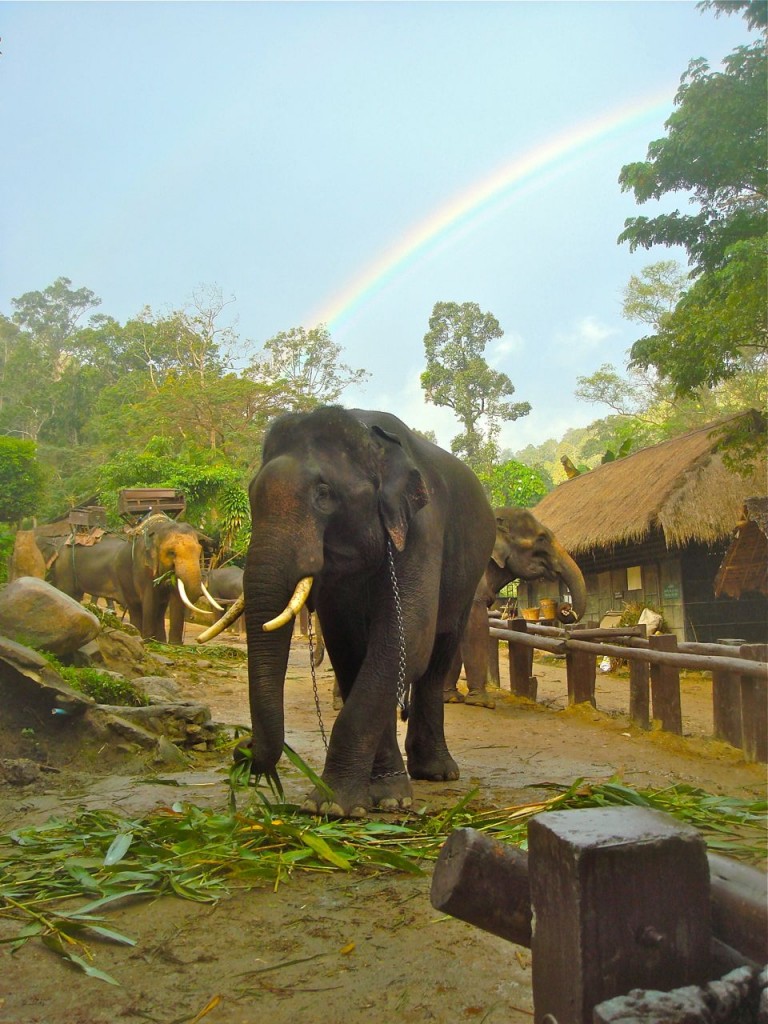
[739,675]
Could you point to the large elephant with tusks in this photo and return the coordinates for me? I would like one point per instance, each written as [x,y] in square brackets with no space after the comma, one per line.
[156,569]
[355,513]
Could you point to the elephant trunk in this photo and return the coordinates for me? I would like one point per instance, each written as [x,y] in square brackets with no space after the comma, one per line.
[570,573]
[267,591]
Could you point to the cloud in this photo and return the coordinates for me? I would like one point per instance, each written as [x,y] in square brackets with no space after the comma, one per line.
[587,335]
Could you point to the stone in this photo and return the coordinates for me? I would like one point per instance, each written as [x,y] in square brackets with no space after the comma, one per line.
[158,689]
[35,614]
[19,771]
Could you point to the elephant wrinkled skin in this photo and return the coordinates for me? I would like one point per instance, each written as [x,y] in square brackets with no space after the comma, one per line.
[524,550]
[365,508]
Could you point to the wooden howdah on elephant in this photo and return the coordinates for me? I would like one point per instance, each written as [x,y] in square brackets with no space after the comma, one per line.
[355,514]
[153,568]
[525,549]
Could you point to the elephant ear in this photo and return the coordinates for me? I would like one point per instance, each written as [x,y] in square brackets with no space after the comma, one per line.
[502,547]
[403,490]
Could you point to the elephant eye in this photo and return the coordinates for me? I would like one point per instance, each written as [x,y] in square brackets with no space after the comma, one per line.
[323,499]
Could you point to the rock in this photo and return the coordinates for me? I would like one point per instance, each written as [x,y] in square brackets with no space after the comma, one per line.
[169,754]
[159,689]
[34,613]
[31,669]
[19,771]
[116,651]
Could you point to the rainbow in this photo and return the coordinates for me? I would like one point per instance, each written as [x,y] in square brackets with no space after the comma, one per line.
[465,211]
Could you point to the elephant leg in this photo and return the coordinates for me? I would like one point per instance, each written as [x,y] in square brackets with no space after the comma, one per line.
[451,693]
[474,654]
[390,786]
[426,749]
[176,619]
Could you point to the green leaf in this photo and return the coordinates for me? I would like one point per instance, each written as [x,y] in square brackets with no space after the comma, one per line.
[323,850]
[120,845]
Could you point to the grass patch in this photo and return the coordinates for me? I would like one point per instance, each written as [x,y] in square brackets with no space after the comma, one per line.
[101,686]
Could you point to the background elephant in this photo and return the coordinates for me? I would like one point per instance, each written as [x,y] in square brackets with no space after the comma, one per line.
[153,569]
[226,585]
[26,558]
[524,550]
[357,507]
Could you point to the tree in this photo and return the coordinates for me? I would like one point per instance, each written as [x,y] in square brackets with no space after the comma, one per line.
[714,150]
[458,377]
[511,483]
[21,479]
[305,366]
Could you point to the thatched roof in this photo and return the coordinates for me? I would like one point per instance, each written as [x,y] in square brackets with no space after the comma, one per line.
[745,566]
[680,487]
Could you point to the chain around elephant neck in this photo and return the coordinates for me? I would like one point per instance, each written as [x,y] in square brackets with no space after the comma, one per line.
[402,696]
[311,638]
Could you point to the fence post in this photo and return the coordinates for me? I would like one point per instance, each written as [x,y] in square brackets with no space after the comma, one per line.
[620,897]
[726,707]
[521,682]
[581,667]
[639,692]
[754,707]
[665,686]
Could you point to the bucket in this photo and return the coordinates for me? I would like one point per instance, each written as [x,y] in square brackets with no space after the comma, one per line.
[531,614]
[548,608]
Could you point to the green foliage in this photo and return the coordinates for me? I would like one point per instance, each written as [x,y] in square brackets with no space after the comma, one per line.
[513,484]
[21,479]
[305,365]
[101,686]
[7,536]
[458,377]
[714,151]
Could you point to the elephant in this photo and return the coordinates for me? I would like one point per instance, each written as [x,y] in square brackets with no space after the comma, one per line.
[26,558]
[524,550]
[354,513]
[153,569]
[225,584]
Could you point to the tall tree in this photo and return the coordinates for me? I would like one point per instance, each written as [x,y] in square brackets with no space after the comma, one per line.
[714,151]
[458,377]
[305,365]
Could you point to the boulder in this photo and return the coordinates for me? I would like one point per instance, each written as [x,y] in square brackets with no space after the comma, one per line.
[34,613]
[114,650]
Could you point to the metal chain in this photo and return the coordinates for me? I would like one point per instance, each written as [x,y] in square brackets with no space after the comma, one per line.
[402,700]
[311,638]
[402,696]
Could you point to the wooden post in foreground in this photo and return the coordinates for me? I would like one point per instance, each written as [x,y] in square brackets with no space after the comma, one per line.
[621,901]
[581,667]
[521,682]
[665,686]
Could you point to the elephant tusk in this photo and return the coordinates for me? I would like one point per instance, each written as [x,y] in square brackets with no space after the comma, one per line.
[211,600]
[183,596]
[233,612]
[294,606]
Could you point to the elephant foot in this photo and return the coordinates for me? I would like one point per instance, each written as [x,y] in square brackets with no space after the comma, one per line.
[339,804]
[436,769]
[391,792]
[480,699]
[453,697]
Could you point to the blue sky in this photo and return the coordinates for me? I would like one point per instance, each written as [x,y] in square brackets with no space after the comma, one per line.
[280,151]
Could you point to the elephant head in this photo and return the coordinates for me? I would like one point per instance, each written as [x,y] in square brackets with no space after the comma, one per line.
[525,549]
[167,563]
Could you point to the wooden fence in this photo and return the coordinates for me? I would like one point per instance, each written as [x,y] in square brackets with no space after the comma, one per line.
[635,921]
[739,675]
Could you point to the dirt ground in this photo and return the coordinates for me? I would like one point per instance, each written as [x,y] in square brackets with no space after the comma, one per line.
[349,948]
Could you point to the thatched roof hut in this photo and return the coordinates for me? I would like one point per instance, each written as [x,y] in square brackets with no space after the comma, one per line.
[745,566]
[680,488]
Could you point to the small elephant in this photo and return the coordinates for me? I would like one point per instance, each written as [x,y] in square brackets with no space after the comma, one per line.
[524,550]
[355,513]
[225,584]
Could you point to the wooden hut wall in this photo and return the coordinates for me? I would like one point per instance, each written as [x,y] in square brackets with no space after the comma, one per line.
[710,618]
